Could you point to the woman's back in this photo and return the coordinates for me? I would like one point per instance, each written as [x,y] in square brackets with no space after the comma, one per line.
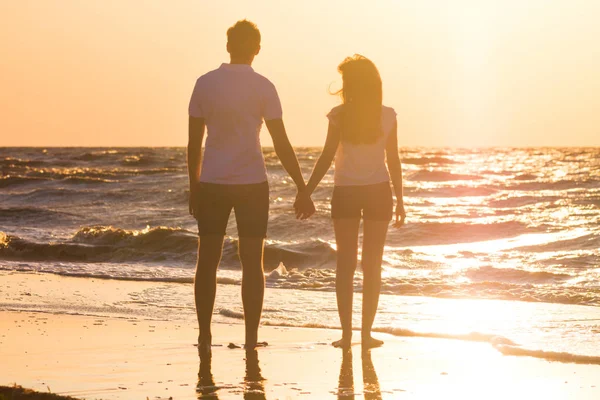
[362,164]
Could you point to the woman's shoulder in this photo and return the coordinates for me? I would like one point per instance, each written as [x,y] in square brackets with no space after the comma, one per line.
[335,111]
[334,114]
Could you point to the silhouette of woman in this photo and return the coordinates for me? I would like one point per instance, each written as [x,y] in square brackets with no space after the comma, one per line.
[362,135]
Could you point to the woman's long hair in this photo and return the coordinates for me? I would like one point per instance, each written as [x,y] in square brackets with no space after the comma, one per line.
[362,97]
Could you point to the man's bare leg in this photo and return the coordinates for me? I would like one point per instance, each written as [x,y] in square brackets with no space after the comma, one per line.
[253,285]
[210,248]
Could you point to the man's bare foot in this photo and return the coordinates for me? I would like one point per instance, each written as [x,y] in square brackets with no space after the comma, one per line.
[343,343]
[250,346]
[204,347]
[369,342]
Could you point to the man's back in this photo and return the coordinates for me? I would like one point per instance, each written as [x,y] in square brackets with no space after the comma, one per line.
[234,100]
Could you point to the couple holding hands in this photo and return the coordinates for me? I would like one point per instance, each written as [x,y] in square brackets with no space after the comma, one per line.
[230,104]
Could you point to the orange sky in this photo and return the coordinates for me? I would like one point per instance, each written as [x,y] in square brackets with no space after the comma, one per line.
[461,73]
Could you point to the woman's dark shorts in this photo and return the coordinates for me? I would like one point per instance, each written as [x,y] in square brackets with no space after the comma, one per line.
[372,202]
[249,202]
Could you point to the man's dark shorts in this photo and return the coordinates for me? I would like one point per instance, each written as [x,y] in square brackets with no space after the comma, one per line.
[249,202]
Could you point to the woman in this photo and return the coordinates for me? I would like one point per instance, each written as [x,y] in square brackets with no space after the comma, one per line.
[361,133]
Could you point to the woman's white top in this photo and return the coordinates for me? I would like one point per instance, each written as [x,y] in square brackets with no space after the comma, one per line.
[362,164]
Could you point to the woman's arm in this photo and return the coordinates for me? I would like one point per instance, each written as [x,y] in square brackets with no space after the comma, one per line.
[395,168]
[303,200]
[325,159]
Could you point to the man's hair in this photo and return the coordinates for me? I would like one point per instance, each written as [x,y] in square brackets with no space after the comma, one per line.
[243,38]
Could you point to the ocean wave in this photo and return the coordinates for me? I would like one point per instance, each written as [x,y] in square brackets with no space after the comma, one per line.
[98,155]
[158,240]
[38,176]
[440,176]
[585,242]
[504,345]
[44,195]
[526,287]
[522,201]
[402,332]
[467,337]
[313,253]
[107,244]
[564,184]
[231,314]
[562,357]
[110,244]
[428,160]
[15,215]
[85,180]
[526,177]
[489,273]
[450,191]
[90,175]
[7,181]
[588,200]
[435,233]
[10,162]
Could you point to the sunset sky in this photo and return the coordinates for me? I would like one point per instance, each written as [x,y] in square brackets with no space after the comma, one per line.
[460,73]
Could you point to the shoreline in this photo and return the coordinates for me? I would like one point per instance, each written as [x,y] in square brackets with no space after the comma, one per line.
[454,319]
[110,358]
[127,350]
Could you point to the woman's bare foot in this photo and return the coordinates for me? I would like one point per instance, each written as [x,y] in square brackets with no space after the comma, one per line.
[343,343]
[369,342]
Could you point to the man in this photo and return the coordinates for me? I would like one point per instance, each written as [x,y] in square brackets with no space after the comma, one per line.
[232,102]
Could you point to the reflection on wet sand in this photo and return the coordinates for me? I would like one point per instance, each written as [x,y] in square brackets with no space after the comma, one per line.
[253,384]
[346,381]
[371,389]
[206,388]
[254,388]
[370,380]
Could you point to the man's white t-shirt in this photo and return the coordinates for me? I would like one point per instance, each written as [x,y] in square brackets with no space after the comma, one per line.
[234,100]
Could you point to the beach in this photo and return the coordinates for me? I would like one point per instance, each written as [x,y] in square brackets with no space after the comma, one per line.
[491,288]
[450,155]
[138,357]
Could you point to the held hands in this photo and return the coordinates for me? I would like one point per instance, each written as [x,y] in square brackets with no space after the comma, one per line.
[400,215]
[304,205]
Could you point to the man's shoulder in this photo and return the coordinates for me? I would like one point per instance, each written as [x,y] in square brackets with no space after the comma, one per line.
[262,80]
[209,75]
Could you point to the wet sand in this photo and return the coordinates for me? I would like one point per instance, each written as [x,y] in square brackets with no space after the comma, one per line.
[94,358]
[121,356]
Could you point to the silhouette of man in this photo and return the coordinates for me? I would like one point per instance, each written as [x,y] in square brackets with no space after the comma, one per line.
[232,102]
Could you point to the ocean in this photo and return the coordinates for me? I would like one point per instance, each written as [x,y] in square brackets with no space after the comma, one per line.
[500,245]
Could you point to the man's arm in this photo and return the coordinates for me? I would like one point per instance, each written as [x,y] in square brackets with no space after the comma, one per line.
[194,158]
[285,152]
[287,156]
[395,168]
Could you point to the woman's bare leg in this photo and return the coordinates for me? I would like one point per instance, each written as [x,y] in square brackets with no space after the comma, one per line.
[346,237]
[374,234]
